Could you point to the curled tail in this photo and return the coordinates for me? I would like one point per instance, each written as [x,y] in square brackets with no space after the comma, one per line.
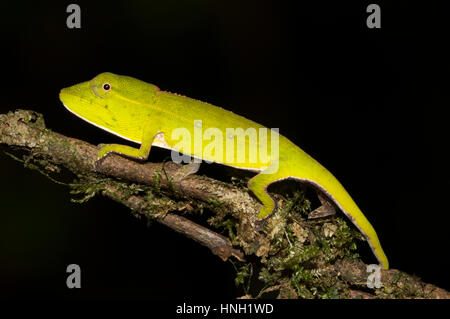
[313,173]
[294,163]
[338,195]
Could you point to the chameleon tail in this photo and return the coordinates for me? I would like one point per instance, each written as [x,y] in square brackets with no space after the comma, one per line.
[302,167]
[316,175]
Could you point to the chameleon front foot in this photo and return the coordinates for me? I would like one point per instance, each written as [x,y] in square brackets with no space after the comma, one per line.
[258,185]
[124,150]
[101,156]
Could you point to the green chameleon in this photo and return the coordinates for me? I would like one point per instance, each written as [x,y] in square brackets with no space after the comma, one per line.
[141,113]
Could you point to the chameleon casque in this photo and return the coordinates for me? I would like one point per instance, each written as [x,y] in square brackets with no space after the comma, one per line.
[140,112]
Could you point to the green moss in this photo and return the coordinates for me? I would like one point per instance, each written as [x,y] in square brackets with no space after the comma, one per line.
[86,189]
[39,165]
[32,117]
[297,250]
[239,182]
[214,202]
[243,273]
[157,181]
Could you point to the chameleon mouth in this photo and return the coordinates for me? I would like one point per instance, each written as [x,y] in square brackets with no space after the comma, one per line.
[69,92]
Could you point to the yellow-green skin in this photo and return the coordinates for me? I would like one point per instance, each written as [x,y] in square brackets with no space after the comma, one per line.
[140,112]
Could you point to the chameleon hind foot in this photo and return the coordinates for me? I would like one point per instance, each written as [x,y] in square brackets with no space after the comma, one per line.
[258,185]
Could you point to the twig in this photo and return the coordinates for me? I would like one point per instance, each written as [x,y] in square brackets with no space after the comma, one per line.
[218,244]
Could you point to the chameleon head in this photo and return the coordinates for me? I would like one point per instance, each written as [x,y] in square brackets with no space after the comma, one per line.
[111,102]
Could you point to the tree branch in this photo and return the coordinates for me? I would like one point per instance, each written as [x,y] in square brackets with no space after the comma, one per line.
[27,129]
[300,258]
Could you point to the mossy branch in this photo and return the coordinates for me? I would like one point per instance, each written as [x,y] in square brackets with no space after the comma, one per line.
[297,257]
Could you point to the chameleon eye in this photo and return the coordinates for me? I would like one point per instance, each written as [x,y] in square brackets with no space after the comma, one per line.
[106,87]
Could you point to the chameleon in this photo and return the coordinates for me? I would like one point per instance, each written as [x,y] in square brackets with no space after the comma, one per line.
[142,113]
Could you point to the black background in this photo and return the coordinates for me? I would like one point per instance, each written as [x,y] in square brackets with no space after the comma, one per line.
[369,104]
